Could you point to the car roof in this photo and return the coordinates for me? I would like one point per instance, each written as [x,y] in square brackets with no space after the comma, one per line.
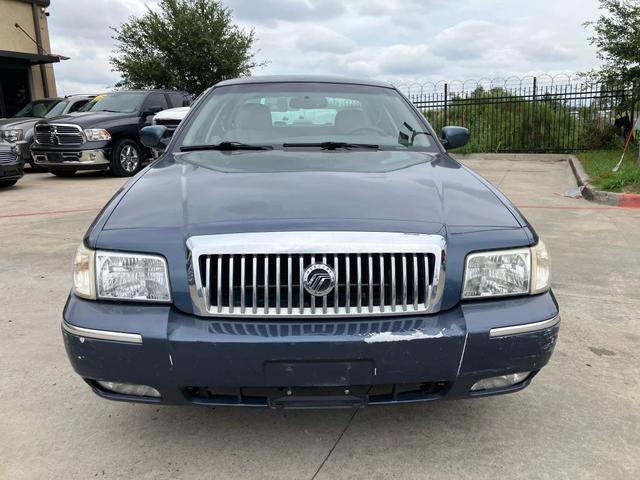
[304,79]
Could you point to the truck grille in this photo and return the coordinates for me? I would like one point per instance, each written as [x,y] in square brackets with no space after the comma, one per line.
[170,123]
[314,274]
[7,156]
[57,134]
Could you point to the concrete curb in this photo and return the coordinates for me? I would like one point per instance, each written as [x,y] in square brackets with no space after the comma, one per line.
[627,200]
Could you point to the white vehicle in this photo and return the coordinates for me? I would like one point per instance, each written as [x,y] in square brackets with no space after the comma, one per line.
[171,117]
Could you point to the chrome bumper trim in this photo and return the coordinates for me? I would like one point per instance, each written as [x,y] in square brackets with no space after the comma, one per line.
[102,334]
[526,328]
[80,157]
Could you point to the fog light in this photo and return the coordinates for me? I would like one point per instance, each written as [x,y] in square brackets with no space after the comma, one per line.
[93,157]
[500,382]
[130,389]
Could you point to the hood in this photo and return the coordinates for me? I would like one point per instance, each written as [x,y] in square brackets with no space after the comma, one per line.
[24,123]
[88,119]
[211,192]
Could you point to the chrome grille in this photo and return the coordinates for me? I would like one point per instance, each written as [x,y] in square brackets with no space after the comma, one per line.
[58,134]
[261,274]
[7,156]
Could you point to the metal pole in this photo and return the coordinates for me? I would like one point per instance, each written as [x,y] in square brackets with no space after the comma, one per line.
[533,114]
[446,104]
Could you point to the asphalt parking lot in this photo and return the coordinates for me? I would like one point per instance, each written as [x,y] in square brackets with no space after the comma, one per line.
[580,418]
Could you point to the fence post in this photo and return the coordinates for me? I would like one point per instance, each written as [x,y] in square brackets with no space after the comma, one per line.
[534,142]
[446,104]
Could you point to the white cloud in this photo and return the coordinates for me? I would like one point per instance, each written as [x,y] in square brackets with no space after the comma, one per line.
[404,40]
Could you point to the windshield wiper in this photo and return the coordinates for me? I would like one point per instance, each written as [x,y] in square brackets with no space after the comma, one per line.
[332,145]
[225,146]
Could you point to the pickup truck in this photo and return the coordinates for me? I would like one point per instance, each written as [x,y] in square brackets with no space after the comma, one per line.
[19,128]
[104,135]
[341,262]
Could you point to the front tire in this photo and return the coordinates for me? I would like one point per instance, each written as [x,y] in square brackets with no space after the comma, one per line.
[126,158]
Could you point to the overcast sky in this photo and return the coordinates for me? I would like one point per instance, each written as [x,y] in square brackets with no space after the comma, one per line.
[396,40]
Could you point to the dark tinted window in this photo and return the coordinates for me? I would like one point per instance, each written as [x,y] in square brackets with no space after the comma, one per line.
[155,101]
[178,99]
[78,105]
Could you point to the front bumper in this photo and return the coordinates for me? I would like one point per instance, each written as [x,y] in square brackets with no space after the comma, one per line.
[12,171]
[95,159]
[193,360]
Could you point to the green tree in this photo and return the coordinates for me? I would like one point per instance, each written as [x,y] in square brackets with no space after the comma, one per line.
[185,44]
[617,37]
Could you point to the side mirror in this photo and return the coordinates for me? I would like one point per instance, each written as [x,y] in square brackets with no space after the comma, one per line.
[155,136]
[454,137]
[151,111]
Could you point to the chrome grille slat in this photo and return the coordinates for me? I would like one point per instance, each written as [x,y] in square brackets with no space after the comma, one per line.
[381,281]
[289,284]
[359,281]
[336,291]
[414,257]
[393,283]
[254,284]
[391,279]
[277,283]
[312,299]
[404,282]
[266,284]
[370,268]
[219,284]
[243,283]
[300,273]
[324,297]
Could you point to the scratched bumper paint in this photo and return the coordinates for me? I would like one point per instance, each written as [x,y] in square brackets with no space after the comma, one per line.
[180,351]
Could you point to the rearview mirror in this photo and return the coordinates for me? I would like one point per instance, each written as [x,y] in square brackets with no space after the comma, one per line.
[155,136]
[454,137]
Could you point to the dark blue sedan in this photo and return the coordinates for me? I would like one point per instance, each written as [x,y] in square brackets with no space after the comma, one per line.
[308,242]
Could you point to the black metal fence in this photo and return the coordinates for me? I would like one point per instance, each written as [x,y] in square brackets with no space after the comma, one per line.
[530,115]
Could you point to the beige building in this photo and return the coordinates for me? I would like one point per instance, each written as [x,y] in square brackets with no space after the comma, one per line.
[26,70]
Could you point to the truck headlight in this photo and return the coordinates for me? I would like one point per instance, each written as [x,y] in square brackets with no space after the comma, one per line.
[12,136]
[97,134]
[120,276]
[507,272]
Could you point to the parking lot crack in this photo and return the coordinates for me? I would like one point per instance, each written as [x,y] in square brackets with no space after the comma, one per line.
[335,444]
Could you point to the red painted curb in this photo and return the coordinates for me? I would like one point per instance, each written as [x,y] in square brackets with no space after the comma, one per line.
[629,200]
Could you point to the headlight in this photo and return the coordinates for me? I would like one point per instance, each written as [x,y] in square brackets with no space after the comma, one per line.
[507,272]
[12,135]
[97,134]
[124,276]
[120,276]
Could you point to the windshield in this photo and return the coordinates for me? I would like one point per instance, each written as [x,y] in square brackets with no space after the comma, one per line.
[307,115]
[39,108]
[57,109]
[119,102]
